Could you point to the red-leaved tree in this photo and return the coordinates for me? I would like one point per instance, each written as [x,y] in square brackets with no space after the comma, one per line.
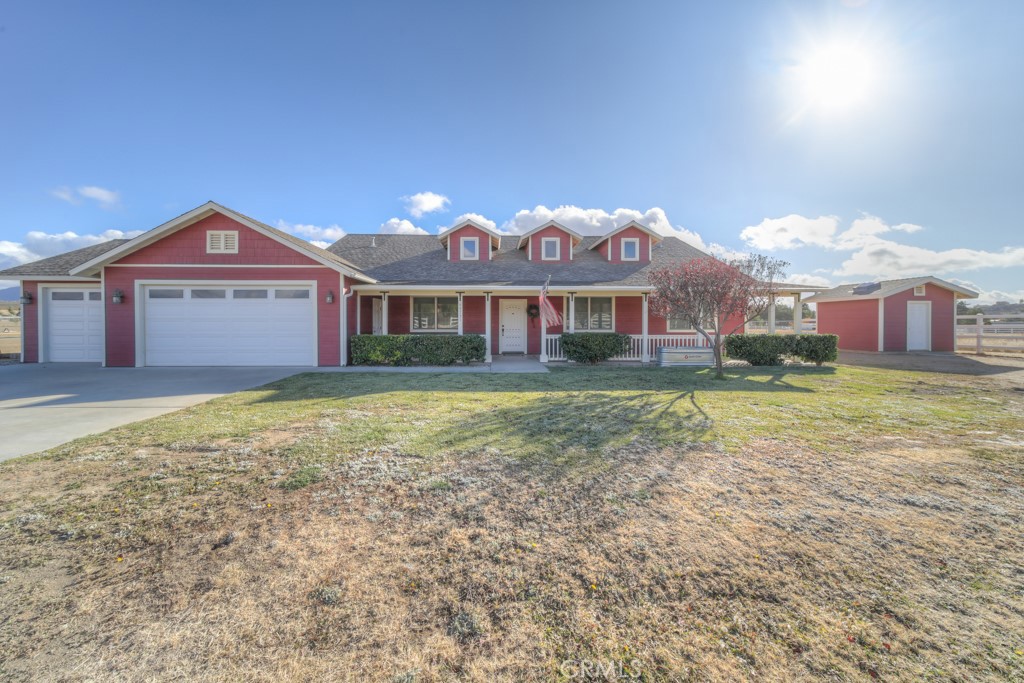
[709,292]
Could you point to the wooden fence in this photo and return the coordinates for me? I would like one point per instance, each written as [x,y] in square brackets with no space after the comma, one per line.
[986,333]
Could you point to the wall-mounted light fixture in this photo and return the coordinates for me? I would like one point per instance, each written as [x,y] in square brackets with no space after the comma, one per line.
[26,298]
[330,296]
[118,296]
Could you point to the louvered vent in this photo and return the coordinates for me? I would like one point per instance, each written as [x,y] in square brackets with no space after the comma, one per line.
[222,242]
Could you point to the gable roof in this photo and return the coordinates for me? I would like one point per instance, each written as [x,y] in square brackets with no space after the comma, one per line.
[883,288]
[655,237]
[314,252]
[446,235]
[61,265]
[574,236]
[422,260]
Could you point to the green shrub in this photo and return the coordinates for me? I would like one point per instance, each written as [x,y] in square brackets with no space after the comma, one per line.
[417,349]
[816,348]
[594,347]
[758,349]
[768,349]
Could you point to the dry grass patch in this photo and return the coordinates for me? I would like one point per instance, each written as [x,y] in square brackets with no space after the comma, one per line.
[694,560]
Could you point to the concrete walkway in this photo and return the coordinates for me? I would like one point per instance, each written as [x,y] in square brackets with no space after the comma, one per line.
[45,405]
[501,365]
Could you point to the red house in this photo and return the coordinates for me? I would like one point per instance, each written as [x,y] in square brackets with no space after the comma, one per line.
[913,314]
[215,287]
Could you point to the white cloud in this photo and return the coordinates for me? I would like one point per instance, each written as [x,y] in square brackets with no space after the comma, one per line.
[807,279]
[316,234]
[887,259]
[865,229]
[423,203]
[107,199]
[478,219]
[400,226]
[790,232]
[599,221]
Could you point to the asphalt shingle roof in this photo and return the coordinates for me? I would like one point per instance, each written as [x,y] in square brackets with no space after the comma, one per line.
[422,260]
[61,264]
[880,289]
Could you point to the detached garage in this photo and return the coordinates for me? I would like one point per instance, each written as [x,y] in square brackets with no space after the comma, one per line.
[914,314]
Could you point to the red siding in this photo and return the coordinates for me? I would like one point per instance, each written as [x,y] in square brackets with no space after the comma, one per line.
[474,310]
[629,311]
[30,322]
[188,245]
[120,318]
[454,245]
[399,314]
[564,242]
[856,323]
[366,314]
[615,243]
[943,303]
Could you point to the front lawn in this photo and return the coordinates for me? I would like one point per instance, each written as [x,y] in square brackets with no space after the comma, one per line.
[837,523]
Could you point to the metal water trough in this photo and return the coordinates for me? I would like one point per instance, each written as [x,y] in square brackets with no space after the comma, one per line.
[669,357]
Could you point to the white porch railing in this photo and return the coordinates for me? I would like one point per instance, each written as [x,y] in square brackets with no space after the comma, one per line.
[981,333]
[636,345]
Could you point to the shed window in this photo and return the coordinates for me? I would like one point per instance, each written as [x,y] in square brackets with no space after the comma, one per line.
[550,249]
[435,313]
[221,241]
[594,313]
[919,290]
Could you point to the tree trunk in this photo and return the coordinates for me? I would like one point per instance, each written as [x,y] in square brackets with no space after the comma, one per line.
[719,371]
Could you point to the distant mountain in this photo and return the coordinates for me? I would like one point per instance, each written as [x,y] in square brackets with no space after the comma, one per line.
[10,294]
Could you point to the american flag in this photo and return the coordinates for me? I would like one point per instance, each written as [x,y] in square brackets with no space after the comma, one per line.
[548,315]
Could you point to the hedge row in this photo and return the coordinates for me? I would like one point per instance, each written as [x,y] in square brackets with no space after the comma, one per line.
[768,349]
[594,347]
[417,349]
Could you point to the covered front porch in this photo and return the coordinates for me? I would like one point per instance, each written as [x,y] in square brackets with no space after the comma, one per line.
[508,318]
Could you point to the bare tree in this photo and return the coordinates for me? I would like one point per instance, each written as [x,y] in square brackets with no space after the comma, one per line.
[710,291]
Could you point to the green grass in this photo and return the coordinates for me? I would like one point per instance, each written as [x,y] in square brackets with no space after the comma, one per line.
[573,413]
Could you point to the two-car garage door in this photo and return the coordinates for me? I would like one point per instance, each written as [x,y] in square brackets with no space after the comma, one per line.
[229,325]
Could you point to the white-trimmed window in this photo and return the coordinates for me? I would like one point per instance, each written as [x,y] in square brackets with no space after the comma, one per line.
[919,290]
[469,248]
[678,324]
[550,249]
[630,248]
[594,313]
[435,313]
[221,241]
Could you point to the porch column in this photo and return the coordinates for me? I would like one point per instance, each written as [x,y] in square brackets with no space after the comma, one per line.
[543,340]
[571,313]
[771,316]
[359,313]
[798,314]
[645,351]
[384,313]
[487,326]
[460,312]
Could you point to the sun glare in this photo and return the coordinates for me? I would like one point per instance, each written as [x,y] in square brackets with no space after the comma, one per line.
[835,77]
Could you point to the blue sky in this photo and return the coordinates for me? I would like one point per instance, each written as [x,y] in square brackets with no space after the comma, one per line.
[856,140]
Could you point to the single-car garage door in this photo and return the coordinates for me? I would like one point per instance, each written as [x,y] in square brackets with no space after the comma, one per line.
[230,325]
[74,325]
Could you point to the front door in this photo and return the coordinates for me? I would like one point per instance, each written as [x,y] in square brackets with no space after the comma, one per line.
[512,337]
[378,317]
[919,324]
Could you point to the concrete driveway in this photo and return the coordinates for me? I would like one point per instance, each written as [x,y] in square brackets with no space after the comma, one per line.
[45,405]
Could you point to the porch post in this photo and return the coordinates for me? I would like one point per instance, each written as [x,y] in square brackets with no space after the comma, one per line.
[771,316]
[645,351]
[798,314]
[384,313]
[460,312]
[359,313]
[543,340]
[487,326]
[572,312]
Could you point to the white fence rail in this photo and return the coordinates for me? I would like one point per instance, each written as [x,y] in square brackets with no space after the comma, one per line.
[636,345]
[808,326]
[984,333]
[10,335]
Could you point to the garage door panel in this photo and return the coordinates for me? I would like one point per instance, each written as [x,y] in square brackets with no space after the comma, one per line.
[74,325]
[231,325]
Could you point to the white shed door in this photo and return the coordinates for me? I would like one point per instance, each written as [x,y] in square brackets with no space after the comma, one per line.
[74,326]
[230,325]
[919,323]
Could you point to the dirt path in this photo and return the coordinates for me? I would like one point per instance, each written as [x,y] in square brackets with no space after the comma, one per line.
[1004,369]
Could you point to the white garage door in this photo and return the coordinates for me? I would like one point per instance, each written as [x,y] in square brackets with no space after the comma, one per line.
[74,326]
[230,325]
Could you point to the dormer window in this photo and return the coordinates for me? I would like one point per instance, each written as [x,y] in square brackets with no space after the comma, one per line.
[631,249]
[221,241]
[551,249]
[470,249]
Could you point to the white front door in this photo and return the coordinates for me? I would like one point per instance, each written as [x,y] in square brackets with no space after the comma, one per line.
[919,326]
[513,326]
[225,324]
[74,326]
[378,317]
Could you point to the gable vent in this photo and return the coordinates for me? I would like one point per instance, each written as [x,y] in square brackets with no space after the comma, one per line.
[222,242]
